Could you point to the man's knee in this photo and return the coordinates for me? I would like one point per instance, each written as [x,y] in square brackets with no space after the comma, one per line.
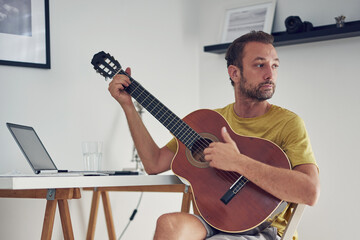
[179,226]
[167,221]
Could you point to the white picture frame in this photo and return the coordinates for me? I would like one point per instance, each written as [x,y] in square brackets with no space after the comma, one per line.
[256,15]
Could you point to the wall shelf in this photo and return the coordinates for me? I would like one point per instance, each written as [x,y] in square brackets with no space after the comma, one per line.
[321,33]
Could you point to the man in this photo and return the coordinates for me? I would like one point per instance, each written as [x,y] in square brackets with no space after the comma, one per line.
[252,64]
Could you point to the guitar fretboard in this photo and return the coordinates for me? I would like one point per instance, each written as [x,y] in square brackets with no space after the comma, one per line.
[171,121]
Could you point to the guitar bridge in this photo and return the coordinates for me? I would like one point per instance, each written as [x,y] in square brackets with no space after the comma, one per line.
[234,189]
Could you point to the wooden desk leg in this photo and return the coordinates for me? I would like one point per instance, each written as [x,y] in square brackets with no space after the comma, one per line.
[93,215]
[65,219]
[185,206]
[194,206]
[48,219]
[188,197]
[108,215]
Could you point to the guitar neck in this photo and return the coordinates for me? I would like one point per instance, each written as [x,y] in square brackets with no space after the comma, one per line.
[182,131]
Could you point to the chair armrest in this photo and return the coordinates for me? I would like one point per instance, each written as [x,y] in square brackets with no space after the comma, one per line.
[293,221]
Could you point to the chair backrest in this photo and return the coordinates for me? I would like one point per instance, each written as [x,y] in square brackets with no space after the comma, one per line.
[293,221]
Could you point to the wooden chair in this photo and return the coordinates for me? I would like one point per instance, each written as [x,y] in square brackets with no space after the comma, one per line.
[293,221]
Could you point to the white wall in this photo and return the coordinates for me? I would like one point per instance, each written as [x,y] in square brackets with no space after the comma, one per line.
[70,103]
[320,82]
[162,40]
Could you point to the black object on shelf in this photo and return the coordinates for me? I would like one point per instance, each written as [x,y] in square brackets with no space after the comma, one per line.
[321,33]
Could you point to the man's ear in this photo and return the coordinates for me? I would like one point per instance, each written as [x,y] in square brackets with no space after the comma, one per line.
[234,73]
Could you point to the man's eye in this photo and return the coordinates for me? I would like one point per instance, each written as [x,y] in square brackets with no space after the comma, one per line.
[275,66]
[259,65]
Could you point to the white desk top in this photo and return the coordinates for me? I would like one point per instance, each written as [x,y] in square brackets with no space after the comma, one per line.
[46,182]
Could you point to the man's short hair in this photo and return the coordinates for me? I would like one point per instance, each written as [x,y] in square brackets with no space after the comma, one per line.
[235,52]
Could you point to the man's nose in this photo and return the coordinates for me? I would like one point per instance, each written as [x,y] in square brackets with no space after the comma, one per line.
[269,72]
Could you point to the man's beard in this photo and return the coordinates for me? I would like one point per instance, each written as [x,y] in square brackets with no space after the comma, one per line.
[255,92]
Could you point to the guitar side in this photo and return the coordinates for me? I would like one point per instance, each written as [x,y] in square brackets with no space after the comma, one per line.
[251,206]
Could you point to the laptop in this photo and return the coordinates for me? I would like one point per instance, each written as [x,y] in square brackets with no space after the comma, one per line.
[39,158]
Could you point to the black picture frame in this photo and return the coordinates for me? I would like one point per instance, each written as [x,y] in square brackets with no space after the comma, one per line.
[28,43]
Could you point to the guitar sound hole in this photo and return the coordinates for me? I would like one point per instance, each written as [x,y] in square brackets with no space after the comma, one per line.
[195,156]
[197,151]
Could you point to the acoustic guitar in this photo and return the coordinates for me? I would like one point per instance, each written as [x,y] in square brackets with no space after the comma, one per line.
[226,200]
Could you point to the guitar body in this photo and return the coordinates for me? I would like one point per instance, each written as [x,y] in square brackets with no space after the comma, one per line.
[251,206]
[244,208]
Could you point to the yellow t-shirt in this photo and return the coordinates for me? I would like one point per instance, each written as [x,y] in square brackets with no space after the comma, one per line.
[282,127]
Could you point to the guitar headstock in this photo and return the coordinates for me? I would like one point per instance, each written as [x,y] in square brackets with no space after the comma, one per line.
[105,64]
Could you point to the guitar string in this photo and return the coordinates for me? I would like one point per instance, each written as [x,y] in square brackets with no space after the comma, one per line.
[168,115]
[198,142]
[229,176]
[133,91]
[187,138]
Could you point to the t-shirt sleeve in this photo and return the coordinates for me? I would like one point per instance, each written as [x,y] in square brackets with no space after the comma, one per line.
[296,143]
[172,145]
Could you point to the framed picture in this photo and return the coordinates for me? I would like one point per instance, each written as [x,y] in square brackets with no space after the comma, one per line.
[24,33]
[239,20]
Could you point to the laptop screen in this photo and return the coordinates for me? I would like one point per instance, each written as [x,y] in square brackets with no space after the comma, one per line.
[32,147]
